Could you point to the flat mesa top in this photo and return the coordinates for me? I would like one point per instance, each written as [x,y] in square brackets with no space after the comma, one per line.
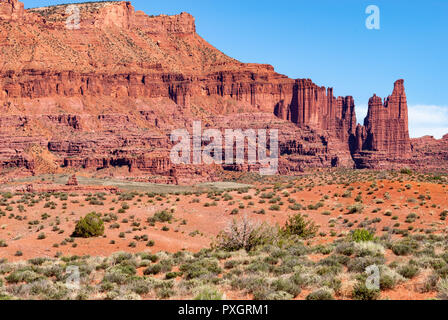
[80,4]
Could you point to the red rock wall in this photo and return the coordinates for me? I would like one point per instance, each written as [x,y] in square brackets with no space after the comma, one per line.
[387,124]
[109,94]
[316,107]
[11,10]
[385,135]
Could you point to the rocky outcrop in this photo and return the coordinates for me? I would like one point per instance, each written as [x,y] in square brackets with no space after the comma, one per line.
[384,140]
[429,154]
[11,10]
[387,124]
[316,107]
[72,181]
[120,14]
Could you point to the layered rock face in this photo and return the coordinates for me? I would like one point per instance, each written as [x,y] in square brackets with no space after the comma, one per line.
[11,10]
[316,107]
[429,153]
[108,94]
[387,124]
[383,141]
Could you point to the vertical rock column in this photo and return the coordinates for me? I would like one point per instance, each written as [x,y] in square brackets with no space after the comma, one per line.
[386,124]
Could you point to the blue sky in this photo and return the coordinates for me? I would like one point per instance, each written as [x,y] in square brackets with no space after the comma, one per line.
[327,41]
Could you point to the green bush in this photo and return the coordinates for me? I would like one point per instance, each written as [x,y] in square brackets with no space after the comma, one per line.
[154,269]
[362,235]
[89,226]
[285,285]
[321,294]
[161,216]
[401,249]
[198,268]
[387,282]
[361,292]
[298,226]
[408,271]
[357,208]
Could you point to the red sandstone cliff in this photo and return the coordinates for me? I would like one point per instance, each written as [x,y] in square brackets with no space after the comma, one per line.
[384,140]
[109,93]
[316,107]
[11,10]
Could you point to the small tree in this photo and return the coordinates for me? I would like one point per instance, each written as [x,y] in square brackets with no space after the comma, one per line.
[244,234]
[89,226]
[298,226]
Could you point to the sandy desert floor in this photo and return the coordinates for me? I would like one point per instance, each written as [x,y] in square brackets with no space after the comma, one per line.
[401,209]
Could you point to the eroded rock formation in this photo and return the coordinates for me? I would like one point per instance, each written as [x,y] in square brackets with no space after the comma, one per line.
[11,10]
[72,181]
[109,93]
[384,140]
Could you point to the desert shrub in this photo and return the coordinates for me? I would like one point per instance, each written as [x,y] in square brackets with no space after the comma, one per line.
[442,289]
[208,293]
[321,294]
[286,286]
[269,195]
[387,282]
[161,216]
[139,286]
[296,207]
[408,271]
[38,261]
[329,270]
[346,248]
[361,263]
[252,284]
[277,295]
[298,226]
[113,276]
[401,249]
[362,235]
[198,268]
[244,234]
[234,211]
[389,278]
[357,208]
[154,269]
[368,248]
[315,206]
[89,226]
[361,292]
[27,276]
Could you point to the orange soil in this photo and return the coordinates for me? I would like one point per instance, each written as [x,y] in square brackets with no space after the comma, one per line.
[208,221]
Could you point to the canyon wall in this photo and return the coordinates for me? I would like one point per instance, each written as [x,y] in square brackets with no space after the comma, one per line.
[109,93]
[383,141]
[11,10]
[316,107]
